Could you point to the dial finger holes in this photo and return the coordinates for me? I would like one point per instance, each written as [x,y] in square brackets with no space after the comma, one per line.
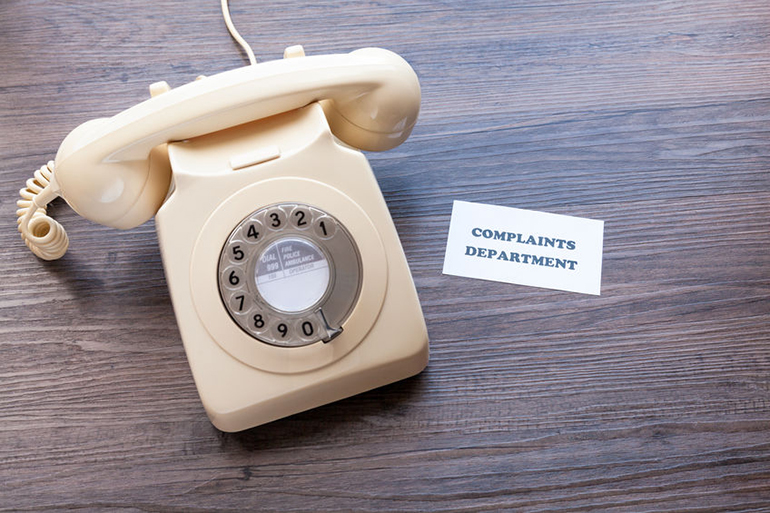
[281,266]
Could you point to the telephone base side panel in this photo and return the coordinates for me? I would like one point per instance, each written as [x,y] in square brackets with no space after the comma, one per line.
[290,161]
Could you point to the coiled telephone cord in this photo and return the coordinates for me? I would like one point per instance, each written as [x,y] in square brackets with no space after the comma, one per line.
[44,236]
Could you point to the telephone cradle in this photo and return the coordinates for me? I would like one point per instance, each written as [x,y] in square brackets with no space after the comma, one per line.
[287,277]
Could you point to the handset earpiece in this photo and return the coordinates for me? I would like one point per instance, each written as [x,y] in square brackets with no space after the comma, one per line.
[382,117]
[112,171]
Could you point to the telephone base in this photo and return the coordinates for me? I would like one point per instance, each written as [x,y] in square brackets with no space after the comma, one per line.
[248,375]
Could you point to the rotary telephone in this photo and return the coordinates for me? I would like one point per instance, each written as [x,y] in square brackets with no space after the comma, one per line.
[287,277]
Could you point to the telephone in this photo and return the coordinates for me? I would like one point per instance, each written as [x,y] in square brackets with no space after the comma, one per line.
[287,277]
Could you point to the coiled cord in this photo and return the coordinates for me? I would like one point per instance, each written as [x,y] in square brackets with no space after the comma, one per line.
[44,236]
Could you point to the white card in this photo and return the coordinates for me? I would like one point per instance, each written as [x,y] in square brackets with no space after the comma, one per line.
[512,245]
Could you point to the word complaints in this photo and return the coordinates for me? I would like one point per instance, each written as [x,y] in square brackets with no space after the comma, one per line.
[518,237]
[522,258]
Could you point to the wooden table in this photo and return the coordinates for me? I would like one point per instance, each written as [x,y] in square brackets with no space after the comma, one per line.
[653,116]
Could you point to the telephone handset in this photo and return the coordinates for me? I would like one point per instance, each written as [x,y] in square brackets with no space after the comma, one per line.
[287,277]
[105,170]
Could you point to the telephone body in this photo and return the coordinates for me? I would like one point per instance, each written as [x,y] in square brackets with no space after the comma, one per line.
[287,277]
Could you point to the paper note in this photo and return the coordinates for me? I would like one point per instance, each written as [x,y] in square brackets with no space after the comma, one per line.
[512,245]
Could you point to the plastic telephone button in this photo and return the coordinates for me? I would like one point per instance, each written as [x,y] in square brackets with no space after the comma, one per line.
[255,157]
[236,251]
[307,329]
[325,227]
[282,332]
[293,52]
[257,322]
[239,302]
[233,277]
[252,232]
[301,218]
[157,88]
[275,219]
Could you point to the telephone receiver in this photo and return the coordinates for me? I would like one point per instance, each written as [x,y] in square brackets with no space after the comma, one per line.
[106,169]
[114,171]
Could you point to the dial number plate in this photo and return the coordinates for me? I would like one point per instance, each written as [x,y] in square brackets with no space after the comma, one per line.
[289,275]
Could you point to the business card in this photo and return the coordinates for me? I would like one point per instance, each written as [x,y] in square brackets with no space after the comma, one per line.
[526,247]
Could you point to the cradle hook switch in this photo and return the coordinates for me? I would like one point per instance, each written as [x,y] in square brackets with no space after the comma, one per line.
[294,51]
[157,88]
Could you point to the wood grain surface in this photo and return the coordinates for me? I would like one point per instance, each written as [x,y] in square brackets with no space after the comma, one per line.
[653,116]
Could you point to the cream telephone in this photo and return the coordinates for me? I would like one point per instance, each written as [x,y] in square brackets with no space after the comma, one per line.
[287,277]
